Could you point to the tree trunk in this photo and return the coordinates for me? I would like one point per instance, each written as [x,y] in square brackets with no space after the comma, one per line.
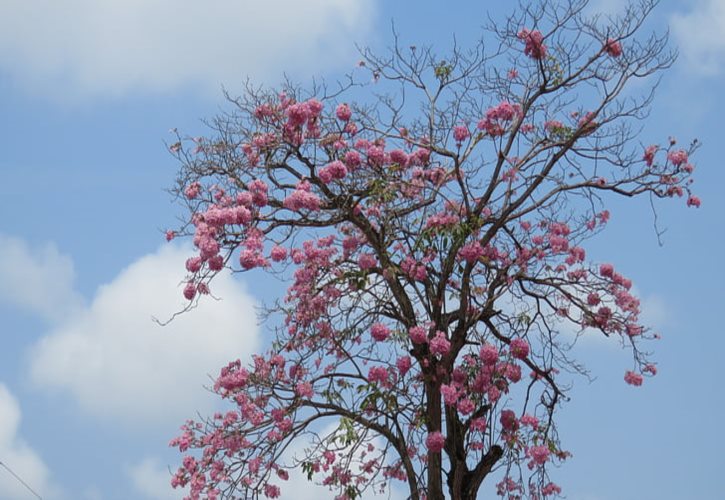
[435,469]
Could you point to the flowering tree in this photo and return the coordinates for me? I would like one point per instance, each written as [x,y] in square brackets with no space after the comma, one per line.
[433,236]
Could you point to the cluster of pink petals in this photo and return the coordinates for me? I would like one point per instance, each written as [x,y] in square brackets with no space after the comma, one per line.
[519,348]
[418,334]
[633,378]
[435,442]
[497,117]
[461,133]
[533,43]
[677,157]
[302,198]
[343,112]
[332,171]
[613,47]
[440,344]
[471,252]
[539,455]
[380,332]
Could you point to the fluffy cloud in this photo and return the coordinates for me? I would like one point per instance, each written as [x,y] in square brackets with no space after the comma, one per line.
[700,35]
[117,363]
[112,46]
[152,480]
[17,455]
[39,281]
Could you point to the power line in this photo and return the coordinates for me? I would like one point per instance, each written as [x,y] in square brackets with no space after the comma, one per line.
[20,480]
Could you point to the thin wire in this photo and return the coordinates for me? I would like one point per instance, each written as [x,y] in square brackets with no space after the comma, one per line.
[21,481]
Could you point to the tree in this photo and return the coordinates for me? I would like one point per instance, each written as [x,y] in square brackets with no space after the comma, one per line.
[431,220]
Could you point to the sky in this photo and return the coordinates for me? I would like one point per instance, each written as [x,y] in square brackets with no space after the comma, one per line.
[92,389]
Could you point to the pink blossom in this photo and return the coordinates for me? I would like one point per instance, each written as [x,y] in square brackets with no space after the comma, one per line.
[450,394]
[216,263]
[512,372]
[508,420]
[649,154]
[551,489]
[606,270]
[478,424]
[343,112]
[633,378]
[314,106]
[613,47]
[554,126]
[650,368]
[440,344]
[534,43]
[271,491]
[278,253]
[352,159]
[435,442]
[380,332]
[192,190]
[529,420]
[693,201]
[466,406]
[519,348]
[190,290]
[493,393]
[367,261]
[378,374]
[304,390]
[193,264]
[503,111]
[249,259]
[587,122]
[418,335]
[400,157]
[301,198]
[471,252]
[297,114]
[332,171]
[170,235]
[461,133]
[489,354]
[376,155]
[404,364]
[538,455]
[677,157]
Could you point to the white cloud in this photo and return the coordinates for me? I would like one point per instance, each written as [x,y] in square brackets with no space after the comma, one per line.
[39,281]
[119,364]
[113,46]
[152,480]
[700,36]
[18,456]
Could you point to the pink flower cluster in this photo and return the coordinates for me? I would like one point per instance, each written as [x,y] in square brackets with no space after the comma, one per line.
[439,344]
[613,47]
[302,198]
[379,332]
[633,378]
[332,171]
[519,348]
[460,134]
[435,441]
[533,43]
[497,118]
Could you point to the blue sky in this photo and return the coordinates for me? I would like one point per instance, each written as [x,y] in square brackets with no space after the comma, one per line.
[91,390]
